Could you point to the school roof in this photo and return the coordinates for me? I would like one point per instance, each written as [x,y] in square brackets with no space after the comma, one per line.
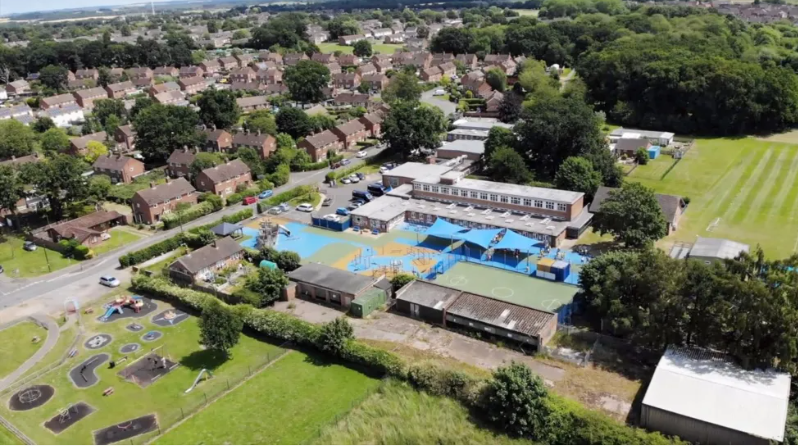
[427,294]
[209,255]
[709,387]
[418,170]
[330,278]
[543,193]
[718,248]
[465,146]
[502,314]
[620,132]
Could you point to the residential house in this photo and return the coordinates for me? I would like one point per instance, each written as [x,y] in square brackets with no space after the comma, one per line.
[163,88]
[179,162]
[351,99]
[166,71]
[18,87]
[142,82]
[203,264]
[70,75]
[252,103]
[263,143]
[672,206]
[334,68]
[493,102]
[120,89]
[116,73]
[292,59]
[377,58]
[319,37]
[86,98]
[228,63]
[401,58]
[224,179]
[16,111]
[210,66]
[88,73]
[496,59]
[368,68]
[323,58]
[121,169]
[245,74]
[373,124]
[272,76]
[346,80]
[192,71]
[470,61]
[149,205]
[125,138]
[267,65]
[275,89]
[81,84]
[192,85]
[383,66]
[56,101]
[442,58]
[376,81]
[351,39]
[348,60]
[395,38]
[449,69]
[171,98]
[62,117]
[629,146]
[89,230]
[351,133]
[218,140]
[319,144]
[78,146]
[248,86]
[268,56]
[432,74]
[244,59]
[139,72]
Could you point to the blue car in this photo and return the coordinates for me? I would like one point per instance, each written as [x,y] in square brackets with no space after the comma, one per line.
[266,194]
[342,211]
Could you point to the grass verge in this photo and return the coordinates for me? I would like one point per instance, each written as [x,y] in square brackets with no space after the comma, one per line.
[16,346]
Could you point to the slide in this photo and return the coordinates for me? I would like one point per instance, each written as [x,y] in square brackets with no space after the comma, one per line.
[287,232]
[111,311]
[199,376]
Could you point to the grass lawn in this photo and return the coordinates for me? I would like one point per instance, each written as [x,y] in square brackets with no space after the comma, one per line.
[16,346]
[119,237]
[382,48]
[741,188]
[165,397]
[398,414]
[314,198]
[29,264]
[6,437]
[288,403]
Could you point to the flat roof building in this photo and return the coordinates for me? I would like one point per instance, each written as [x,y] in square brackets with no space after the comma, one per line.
[332,285]
[713,249]
[654,137]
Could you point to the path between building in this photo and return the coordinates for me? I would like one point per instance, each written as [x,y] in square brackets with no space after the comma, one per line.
[49,343]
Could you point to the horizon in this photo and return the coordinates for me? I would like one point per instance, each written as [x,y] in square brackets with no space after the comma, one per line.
[19,7]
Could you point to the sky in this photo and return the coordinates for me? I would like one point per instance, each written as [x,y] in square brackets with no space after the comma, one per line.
[17,6]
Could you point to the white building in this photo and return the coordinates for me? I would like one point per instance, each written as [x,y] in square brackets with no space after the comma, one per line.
[704,397]
[66,115]
[3,94]
[662,139]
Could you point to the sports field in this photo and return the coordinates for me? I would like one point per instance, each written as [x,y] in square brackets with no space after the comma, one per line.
[743,189]
[508,286]
[382,48]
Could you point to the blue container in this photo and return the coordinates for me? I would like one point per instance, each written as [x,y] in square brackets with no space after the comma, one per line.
[561,269]
[653,152]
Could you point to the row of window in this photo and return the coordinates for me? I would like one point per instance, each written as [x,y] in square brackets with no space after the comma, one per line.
[485,196]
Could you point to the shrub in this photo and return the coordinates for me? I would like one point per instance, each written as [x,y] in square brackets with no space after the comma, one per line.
[214,199]
[400,280]
[82,252]
[340,173]
[287,261]
[312,166]
[334,336]
[641,156]
[247,297]
[686,200]
[194,212]
[439,381]
[280,176]
[220,327]
[268,285]
[234,199]
[514,399]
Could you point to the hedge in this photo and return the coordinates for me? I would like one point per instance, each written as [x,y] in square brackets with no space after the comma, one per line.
[284,197]
[340,173]
[568,422]
[194,212]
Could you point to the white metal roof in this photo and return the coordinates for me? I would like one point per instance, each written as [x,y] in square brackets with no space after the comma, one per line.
[718,248]
[711,388]
[418,170]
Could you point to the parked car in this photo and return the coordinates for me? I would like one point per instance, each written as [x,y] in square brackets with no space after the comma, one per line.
[342,211]
[305,207]
[332,217]
[277,210]
[250,200]
[358,203]
[327,201]
[346,180]
[439,92]
[266,194]
[109,281]
[29,246]
[285,207]
[345,161]
[354,178]
[384,169]
[361,175]
[362,154]
[362,196]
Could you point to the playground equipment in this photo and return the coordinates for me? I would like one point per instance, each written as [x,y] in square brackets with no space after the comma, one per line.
[136,303]
[557,270]
[202,372]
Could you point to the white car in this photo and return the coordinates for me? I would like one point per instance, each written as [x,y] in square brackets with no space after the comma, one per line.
[332,217]
[305,207]
[439,92]
[354,179]
[110,281]
[362,154]
[384,169]
[346,180]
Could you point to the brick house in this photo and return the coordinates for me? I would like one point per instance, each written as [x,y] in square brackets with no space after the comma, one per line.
[346,80]
[272,76]
[89,230]
[348,60]
[192,85]
[121,169]
[449,69]
[351,39]
[493,102]
[149,205]
[319,144]
[252,103]
[224,179]
[323,58]
[166,71]
[442,58]
[351,99]
[248,86]
[18,87]
[228,63]
[368,68]
[334,68]
[204,263]
[120,89]
[383,66]
[169,97]
[86,98]
[88,73]
[373,124]
[245,74]
[264,144]
[351,133]
[292,59]
[179,162]
[244,59]
[125,138]
[142,82]
[57,101]
[376,81]
[77,146]
[432,74]
[470,61]
[192,71]
[268,56]
[139,72]
[218,140]
[210,66]
[163,88]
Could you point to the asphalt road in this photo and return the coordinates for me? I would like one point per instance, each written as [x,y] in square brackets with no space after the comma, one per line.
[447,107]
[47,293]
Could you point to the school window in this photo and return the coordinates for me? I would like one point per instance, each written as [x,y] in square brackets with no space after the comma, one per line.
[503,198]
[434,189]
[561,207]
[445,190]
[416,186]
[549,205]
[483,196]
[538,203]
[494,197]
[515,200]
[528,202]
[474,194]
[426,187]
[464,193]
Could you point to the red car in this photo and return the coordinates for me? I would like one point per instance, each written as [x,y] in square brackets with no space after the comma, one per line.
[250,200]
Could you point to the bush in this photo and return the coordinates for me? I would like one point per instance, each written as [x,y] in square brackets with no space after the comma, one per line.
[444,382]
[280,176]
[641,156]
[247,297]
[215,200]
[82,252]
[514,399]
[311,166]
[234,199]
[400,280]
[287,261]
[686,200]
[334,336]
[194,212]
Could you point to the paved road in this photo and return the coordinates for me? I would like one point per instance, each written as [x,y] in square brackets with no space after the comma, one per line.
[447,107]
[46,294]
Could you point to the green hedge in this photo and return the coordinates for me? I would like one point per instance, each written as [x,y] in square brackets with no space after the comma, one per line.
[284,197]
[174,219]
[340,173]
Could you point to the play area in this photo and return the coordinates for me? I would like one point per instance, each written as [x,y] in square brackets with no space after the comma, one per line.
[148,369]
[127,306]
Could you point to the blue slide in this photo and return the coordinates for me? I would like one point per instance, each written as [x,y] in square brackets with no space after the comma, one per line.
[111,311]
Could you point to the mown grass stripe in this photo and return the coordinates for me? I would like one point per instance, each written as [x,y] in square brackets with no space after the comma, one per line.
[782,205]
[751,176]
[763,192]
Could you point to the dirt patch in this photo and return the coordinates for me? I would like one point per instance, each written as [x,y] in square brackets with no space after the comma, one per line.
[68,417]
[31,397]
[126,429]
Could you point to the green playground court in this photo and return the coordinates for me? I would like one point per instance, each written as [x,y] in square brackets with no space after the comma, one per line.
[510,287]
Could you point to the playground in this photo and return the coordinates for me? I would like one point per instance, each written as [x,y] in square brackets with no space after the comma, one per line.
[127,306]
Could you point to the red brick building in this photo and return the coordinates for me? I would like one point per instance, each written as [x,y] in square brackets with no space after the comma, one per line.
[373,124]
[319,144]
[351,133]
[180,161]
[121,169]
[218,140]
[149,205]
[264,144]
[224,179]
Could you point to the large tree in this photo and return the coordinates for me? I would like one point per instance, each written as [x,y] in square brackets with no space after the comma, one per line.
[16,139]
[410,127]
[496,79]
[507,166]
[218,108]
[13,187]
[306,81]
[286,30]
[404,86]
[577,174]
[220,327]
[515,399]
[105,108]
[343,25]
[160,129]
[54,76]
[452,40]
[293,121]
[261,121]
[60,178]
[54,141]
[632,215]
[362,48]
[268,283]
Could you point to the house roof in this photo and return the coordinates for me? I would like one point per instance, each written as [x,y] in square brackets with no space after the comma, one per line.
[502,314]
[83,141]
[710,387]
[242,71]
[181,156]
[164,192]
[251,139]
[80,228]
[16,161]
[92,93]
[351,127]
[208,256]
[322,139]
[121,86]
[252,101]
[718,248]
[631,144]
[228,60]
[186,81]
[114,162]
[210,63]
[334,279]
[166,86]
[59,99]
[668,203]
[225,172]
[372,118]
[169,96]
[349,98]
[215,134]
[126,130]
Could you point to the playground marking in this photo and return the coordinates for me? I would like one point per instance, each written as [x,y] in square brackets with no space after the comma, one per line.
[502,292]
[550,304]
[458,280]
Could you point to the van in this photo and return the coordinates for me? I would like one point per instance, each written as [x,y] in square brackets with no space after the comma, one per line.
[439,92]
[359,194]
[376,190]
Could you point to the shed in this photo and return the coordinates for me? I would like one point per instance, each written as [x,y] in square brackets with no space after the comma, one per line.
[368,302]
[332,285]
[225,229]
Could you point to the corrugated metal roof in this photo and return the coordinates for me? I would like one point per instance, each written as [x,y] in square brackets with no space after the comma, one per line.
[709,387]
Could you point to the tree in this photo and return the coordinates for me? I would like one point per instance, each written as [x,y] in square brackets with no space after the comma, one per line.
[452,40]
[632,215]
[13,187]
[105,108]
[218,108]
[269,284]
[160,129]
[511,106]
[515,399]
[125,30]
[60,178]
[202,161]
[343,26]
[293,121]
[286,30]
[334,335]
[54,141]
[213,26]
[288,260]
[322,121]
[54,76]
[362,48]
[16,139]
[104,77]
[94,150]
[306,80]
[112,124]
[251,158]
[496,79]
[422,32]
[261,121]
[506,165]
[140,104]
[498,137]
[641,156]
[400,280]
[577,174]
[99,185]
[410,127]
[403,87]
[42,124]
[220,327]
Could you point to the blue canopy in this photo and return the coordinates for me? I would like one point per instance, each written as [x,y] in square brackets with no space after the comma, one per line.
[443,229]
[513,240]
[480,237]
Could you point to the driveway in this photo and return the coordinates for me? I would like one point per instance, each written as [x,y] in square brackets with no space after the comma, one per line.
[447,107]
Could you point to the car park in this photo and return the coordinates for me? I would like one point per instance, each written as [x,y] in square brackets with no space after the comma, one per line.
[305,207]
[109,281]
